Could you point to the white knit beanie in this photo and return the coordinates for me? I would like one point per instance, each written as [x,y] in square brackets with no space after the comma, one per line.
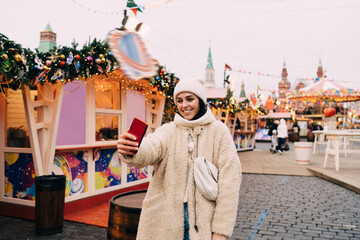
[194,85]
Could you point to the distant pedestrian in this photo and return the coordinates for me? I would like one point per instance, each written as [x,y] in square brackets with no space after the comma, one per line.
[282,135]
[273,134]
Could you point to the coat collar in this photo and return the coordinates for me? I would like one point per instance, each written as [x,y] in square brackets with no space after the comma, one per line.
[207,118]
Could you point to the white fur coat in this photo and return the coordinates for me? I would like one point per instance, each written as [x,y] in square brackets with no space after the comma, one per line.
[162,216]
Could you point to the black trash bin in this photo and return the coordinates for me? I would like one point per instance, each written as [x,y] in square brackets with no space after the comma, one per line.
[49,204]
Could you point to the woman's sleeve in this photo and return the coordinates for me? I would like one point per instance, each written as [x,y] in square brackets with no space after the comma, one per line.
[152,149]
[229,182]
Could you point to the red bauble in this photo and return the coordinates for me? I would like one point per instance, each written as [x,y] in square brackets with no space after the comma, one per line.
[62,64]
[77,57]
[328,112]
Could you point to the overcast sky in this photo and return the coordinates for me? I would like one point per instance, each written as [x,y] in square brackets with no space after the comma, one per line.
[251,35]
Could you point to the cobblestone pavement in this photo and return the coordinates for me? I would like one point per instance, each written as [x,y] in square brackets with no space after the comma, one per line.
[14,228]
[293,207]
[271,207]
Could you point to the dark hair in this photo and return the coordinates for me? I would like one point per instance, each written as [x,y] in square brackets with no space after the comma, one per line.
[202,109]
[201,112]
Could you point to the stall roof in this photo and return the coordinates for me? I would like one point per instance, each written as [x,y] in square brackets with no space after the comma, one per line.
[212,92]
[277,115]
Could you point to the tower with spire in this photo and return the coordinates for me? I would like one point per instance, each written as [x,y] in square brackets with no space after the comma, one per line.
[284,85]
[47,39]
[209,72]
[320,72]
[242,93]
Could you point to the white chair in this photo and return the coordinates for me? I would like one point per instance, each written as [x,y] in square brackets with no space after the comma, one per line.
[332,148]
[321,141]
[352,140]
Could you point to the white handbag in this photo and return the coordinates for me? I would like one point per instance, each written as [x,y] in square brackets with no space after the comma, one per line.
[206,177]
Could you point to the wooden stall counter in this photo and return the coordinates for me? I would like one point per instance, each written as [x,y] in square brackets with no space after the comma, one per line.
[244,140]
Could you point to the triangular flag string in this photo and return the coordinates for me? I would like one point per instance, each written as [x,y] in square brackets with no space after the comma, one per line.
[133,6]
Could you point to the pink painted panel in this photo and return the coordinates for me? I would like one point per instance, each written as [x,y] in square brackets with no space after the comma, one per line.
[72,124]
[136,106]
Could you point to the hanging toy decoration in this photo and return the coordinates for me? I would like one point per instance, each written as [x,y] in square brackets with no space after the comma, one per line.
[69,59]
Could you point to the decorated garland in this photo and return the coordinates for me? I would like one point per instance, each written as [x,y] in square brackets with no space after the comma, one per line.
[164,81]
[20,66]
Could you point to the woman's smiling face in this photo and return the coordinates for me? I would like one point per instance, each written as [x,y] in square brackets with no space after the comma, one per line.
[188,105]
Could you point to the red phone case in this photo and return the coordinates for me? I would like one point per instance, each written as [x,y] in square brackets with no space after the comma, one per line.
[138,129]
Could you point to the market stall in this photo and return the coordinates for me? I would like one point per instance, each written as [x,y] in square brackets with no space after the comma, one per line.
[262,134]
[322,95]
[65,121]
[241,121]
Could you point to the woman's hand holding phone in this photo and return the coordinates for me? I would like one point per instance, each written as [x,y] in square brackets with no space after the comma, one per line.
[127,144]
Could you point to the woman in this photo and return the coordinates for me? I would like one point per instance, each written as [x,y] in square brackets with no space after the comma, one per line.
[282,135]
[173,208]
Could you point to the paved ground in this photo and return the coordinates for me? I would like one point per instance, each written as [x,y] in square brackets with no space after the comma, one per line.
[293,207]
[271,207]
[14,228]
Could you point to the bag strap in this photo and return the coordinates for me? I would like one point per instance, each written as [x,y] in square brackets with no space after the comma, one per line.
[191,145]
[191,148]
[209,170]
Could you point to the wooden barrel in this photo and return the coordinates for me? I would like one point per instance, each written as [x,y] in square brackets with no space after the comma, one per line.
[124,215]
[296,137]
[291,137]
[310,137]
[49,204]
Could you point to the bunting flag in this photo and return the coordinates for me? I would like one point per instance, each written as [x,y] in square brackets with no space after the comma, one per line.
[227,67]
[133,6]
[254,100]
[269,103]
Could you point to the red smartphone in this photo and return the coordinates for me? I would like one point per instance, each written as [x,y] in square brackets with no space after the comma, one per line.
[138,129]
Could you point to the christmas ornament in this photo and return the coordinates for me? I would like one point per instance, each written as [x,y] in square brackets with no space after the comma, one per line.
[101,56]
[58,75]
[108,67]
[39,63]
[62,57]
[62,64]
[6,65]
[98,61]
[77,57]
[89,59]
[77,66]
[24,60]
[13,50]
[99,68]
[4,56]
[17,58]
[48,63]
[41,76]
[103,60]
[69,59]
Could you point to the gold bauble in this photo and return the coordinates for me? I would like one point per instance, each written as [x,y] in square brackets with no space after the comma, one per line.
[4,56]
[101,56]
[103,60]
[17,58]
[62,57]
